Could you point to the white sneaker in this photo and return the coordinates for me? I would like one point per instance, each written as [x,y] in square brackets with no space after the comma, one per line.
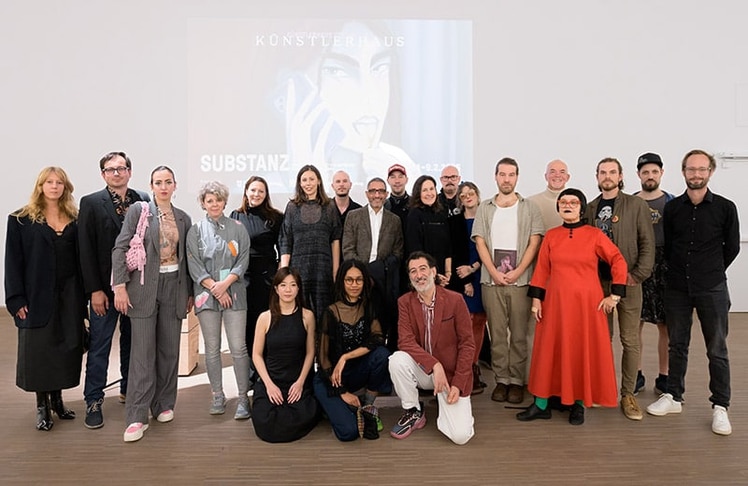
[165,416]
[135,431]
[720,421]
[664,405]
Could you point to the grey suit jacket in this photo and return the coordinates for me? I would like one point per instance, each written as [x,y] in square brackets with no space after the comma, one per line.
[143,297]
[357,236]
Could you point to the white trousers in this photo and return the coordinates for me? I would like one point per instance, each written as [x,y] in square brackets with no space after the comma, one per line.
[454,420]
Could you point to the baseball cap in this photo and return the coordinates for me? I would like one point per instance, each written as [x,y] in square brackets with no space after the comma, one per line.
[648,158]
[395,167]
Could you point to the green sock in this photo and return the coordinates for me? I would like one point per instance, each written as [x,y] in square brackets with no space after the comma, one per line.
[580,403]
[541,403]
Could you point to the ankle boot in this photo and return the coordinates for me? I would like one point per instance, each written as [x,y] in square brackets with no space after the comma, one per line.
[55,398]
[43,414]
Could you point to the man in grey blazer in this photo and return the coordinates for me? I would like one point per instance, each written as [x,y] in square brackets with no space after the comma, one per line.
[374,235]
[99,223]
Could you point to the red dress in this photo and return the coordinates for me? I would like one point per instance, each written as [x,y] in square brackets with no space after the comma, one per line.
[572,355]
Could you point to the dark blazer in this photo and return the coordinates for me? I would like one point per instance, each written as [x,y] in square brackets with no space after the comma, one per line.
[357,236]
[143,297]
[452,340]
[30,267]
[98,227]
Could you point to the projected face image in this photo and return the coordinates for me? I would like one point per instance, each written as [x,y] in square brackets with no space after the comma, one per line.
[269,96]
[354,84]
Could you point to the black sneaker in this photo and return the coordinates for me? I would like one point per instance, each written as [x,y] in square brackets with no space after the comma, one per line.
[640,381]
[661,384]
[94,416]
[410,420]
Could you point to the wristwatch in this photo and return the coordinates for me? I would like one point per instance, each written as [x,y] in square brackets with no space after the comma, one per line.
[616,298]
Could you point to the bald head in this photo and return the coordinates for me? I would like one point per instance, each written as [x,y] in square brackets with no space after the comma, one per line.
[450,179]
[557,175]
[341,183]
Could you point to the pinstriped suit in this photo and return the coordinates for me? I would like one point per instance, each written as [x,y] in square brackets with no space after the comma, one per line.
[158,308]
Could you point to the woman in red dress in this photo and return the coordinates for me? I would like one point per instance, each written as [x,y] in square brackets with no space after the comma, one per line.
[572,355]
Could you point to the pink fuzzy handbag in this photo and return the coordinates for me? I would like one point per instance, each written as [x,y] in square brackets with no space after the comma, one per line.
[135,256]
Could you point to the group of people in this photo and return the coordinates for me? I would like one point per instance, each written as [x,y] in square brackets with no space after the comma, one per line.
[330,304]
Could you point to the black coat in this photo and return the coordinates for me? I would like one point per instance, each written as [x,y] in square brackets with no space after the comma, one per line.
[98,228]
[30,269]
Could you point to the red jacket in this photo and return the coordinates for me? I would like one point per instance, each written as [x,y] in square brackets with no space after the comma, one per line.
[451,336]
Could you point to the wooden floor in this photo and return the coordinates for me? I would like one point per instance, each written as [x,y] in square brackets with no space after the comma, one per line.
[197,448]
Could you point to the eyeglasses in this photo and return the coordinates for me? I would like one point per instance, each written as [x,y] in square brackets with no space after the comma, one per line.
[377,191]
[450,177]
[115,170]
[351,280]
[699,170]
[468,194]
[571,204]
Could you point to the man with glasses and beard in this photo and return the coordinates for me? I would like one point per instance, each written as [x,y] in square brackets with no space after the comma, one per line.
[702,239]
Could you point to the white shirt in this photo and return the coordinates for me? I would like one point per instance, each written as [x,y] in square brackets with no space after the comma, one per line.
[375,222]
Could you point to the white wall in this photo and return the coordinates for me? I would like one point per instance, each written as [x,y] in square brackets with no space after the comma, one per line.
[580,80]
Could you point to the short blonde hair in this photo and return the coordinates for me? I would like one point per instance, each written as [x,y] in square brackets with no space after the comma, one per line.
[218,189]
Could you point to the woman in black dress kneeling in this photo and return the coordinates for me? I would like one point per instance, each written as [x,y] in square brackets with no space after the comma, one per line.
[284,406]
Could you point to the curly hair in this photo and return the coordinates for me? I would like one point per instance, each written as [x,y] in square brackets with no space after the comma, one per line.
[216,188]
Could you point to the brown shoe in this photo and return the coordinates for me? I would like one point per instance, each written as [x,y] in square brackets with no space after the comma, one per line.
[499,393]
[516,394]
[631,408]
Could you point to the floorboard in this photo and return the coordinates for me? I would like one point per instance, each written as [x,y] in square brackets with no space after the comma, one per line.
[197,448]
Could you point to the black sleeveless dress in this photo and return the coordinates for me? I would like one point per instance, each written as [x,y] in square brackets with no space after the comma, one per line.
[284,353]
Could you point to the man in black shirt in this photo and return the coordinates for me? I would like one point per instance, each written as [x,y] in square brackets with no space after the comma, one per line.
[702,238]
[399,200]
[448,198]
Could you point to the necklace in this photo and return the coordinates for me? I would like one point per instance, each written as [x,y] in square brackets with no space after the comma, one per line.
[164,214]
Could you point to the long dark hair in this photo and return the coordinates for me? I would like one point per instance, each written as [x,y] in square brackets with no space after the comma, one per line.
[300,195]
[365,299]
[274,304]
[271,215]
[339,290]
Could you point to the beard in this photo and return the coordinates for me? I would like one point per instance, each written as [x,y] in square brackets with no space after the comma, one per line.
[609,185]
[423,285]
[506,189]
[697,183]
[649,186]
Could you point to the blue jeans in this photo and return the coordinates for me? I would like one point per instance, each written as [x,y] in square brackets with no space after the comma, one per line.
[97,365]
[369,371]
[712,307]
